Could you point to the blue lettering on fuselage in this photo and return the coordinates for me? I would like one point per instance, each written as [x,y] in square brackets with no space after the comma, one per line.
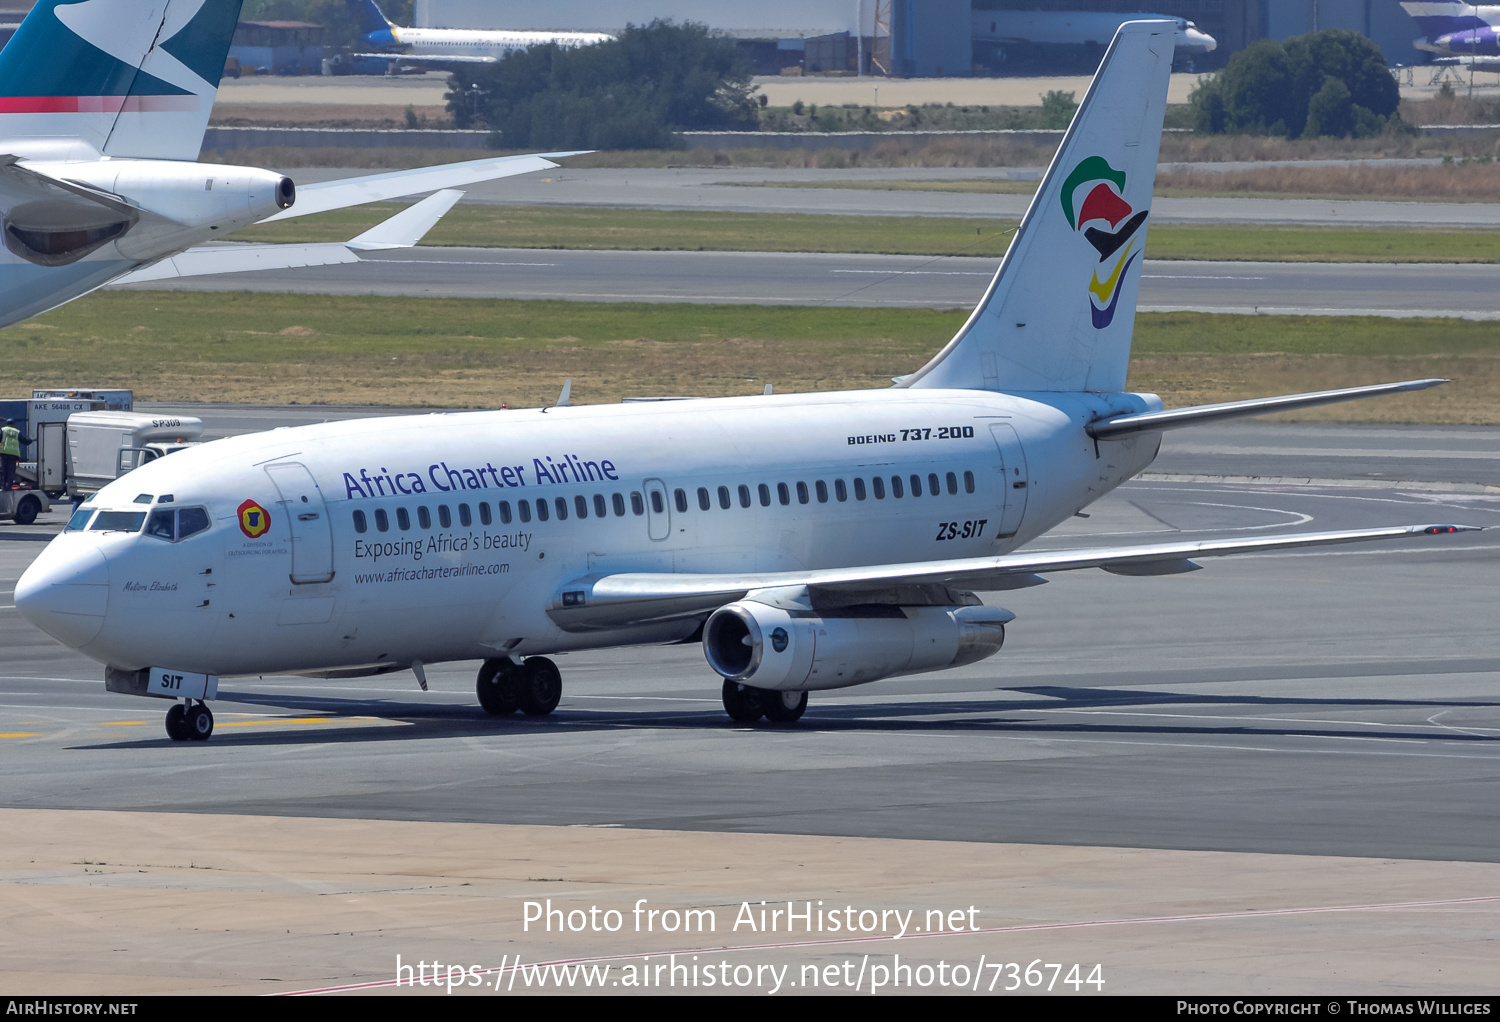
[447,478]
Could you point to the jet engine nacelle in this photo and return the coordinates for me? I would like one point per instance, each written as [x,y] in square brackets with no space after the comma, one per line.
[771,648]
[203,198]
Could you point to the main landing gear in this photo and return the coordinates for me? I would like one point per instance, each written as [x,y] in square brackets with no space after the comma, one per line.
[746,705]
[189,722]
[533,686]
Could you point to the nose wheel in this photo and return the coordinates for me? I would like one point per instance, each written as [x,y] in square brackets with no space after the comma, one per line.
[189,722]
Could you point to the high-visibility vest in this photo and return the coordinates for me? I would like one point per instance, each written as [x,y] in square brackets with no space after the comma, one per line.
[10,441]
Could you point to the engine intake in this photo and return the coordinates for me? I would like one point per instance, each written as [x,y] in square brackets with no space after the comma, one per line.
[772,648]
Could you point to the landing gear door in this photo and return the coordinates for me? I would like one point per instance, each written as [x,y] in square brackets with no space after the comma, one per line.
[658,512]
[1014,482]
[307,517]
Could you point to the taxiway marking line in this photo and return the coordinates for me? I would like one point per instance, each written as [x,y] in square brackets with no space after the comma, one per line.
[987,931]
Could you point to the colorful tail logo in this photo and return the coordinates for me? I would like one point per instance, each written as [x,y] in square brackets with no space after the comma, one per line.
[1103,203]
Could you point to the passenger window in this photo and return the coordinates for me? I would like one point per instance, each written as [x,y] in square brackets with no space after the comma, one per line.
[879,486]
[724,497]
[359,521]
[802,495]
[445,517]
[424,517]
[637,504]
[680,496]
[600,510]
[896,487]
[484,514]
[744,495]
[403,520]
[382,522]
[783,494]
[822,489]
[541,509]
[617,500]
[765,495]
[840,490]
[968,482]
[952,484]
[160,524]
[658,505]
[464,517]
[504,507]
[193,520]
[581,505]
[525,510]
[932,484]
[859,489]
[916,486]
[703,501]
[562,508]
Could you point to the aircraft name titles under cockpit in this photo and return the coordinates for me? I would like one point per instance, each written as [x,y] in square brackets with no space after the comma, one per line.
[384,483]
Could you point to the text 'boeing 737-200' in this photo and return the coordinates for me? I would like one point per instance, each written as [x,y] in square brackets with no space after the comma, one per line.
[810,542]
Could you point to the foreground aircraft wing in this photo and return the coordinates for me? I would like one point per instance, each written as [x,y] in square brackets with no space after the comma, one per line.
[610,601]
[355,191]
[403,230]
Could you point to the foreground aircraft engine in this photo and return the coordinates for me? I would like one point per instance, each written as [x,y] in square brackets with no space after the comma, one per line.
[59,213]
[770,658]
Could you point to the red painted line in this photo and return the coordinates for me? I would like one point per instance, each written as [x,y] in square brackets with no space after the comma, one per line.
[1022,928]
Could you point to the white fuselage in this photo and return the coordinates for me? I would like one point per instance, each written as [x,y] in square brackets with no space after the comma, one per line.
[471,43]
[449,566]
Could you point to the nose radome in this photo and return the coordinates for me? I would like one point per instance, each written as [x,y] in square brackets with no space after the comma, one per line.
[65,592]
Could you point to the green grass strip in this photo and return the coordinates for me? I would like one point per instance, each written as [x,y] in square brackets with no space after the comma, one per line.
[582,227]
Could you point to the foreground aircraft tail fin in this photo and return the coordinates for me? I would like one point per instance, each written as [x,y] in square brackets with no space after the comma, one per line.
[1060,312]
[124,78]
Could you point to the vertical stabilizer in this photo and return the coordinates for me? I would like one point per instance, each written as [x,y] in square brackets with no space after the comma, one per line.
[125,78]
[1060,312]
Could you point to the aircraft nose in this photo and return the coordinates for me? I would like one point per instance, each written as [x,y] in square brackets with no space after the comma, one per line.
[65,592]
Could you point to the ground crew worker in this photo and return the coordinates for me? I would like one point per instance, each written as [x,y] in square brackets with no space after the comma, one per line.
[10,454]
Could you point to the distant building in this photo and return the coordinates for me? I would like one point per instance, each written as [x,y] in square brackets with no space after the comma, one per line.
[278,47]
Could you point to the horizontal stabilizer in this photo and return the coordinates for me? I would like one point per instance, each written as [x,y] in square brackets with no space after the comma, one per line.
[1124,425]
[403,230]
[355,191]
[613,601]
[410,225]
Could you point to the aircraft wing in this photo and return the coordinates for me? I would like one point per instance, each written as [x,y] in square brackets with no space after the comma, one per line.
[403,230]
[355,191]
[1470,61]
[611,601]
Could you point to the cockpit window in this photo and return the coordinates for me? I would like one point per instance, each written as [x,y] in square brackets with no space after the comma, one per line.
[144,498]
[161,524]
[169,525]
[191,520]
[80,520]
[118,521]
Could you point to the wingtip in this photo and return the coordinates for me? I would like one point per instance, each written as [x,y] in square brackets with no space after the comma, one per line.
[1439,530]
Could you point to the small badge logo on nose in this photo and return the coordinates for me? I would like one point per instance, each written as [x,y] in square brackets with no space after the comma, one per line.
[254,519]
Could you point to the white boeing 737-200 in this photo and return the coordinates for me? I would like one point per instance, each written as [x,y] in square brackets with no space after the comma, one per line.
[812,541]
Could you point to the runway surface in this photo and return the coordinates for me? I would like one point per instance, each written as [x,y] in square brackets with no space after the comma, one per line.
[867,281]
[733,189]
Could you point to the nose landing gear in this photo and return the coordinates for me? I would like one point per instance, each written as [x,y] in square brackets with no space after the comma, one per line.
[534,687]
[189,722]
